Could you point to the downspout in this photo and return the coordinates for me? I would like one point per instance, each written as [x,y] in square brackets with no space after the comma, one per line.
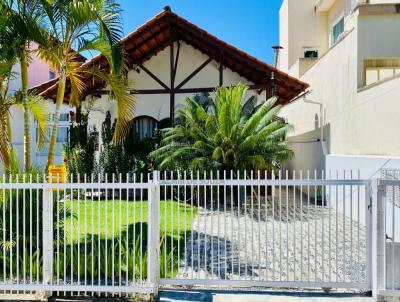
[321,123]
[321,112]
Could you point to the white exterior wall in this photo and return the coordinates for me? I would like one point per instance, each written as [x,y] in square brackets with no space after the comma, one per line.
[15,82]
[158,106]
[336,94]
[38,158]
[360,123]
[300,28]
[375,39]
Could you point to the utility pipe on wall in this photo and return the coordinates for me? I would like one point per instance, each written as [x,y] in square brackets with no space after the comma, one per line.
[321,114]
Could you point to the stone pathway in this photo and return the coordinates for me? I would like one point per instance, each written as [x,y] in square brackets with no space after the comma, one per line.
[266,242]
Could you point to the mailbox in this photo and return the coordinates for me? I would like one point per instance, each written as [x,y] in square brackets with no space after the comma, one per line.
[57,174]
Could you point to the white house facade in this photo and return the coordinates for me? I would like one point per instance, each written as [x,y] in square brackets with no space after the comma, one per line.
[349,53]
[169,60]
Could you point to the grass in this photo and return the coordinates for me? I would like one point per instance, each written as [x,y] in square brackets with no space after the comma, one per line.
[110,219]
[103,241]
[122,226]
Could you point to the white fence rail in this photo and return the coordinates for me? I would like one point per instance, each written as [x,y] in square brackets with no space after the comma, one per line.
[119,235]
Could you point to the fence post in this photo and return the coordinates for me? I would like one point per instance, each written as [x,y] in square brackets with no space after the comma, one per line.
[153,248]
[47,222]
[371,224]
[380,238]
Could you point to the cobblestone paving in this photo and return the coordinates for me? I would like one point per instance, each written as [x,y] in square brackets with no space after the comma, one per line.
[287,242]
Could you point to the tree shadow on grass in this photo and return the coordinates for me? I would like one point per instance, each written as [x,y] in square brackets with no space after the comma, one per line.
[120,260]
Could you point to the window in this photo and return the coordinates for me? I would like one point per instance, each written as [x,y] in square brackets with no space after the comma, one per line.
[52,75]
[144,126]
[62,135]
[61,138]
[64,117]
[337,30]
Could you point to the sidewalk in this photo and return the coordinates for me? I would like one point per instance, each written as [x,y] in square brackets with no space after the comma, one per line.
[243,296]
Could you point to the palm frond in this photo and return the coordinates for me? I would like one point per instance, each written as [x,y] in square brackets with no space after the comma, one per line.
[234,135]
[40,110]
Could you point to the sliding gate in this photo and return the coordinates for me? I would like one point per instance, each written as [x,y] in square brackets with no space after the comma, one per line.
[246,230]
[119,235]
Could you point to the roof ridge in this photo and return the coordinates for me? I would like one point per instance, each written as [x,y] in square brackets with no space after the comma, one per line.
[155,34]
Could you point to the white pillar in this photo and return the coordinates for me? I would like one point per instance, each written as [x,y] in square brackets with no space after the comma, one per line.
[47,220]
[381,238]
[153,248]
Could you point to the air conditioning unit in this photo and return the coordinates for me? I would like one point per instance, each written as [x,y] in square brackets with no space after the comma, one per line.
[310,53]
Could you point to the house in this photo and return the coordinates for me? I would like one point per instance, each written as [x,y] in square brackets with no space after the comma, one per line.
[39,71]
[170,59]
[349,53]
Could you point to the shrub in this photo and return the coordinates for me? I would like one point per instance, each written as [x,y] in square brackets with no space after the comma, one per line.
[79,153]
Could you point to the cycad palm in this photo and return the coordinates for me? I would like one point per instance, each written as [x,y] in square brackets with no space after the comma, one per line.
[84,26]
[227,137]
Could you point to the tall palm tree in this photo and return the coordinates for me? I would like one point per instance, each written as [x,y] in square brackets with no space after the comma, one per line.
[24,25]
[77,26]
[35,105]
[234,135]
[5,104]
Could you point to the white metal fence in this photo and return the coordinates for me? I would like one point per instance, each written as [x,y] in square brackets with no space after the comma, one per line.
[84,236]
[259,230]
[118,235]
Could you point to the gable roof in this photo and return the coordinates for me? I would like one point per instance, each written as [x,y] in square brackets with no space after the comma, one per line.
[167,27]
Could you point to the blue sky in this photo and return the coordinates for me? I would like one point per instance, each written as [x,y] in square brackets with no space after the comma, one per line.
[252,25]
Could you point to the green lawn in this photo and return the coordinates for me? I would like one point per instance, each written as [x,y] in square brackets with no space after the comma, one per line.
[109,219]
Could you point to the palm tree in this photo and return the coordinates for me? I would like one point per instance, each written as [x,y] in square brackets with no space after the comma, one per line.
[5,104]
[77,26]
[24,25]
[233,135]
[35,105]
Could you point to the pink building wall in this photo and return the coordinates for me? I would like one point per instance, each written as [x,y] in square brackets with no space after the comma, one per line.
[38,70]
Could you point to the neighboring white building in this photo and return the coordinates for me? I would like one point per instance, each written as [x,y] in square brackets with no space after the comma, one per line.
[39,71]
[170,59]
[349,53]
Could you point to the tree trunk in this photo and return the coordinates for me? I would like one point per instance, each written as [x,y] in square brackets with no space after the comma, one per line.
[59,101]
[27,118]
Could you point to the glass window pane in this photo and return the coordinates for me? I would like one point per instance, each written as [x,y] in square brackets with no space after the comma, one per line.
[337,30]
[64,117]
[62,135]
[144,127]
